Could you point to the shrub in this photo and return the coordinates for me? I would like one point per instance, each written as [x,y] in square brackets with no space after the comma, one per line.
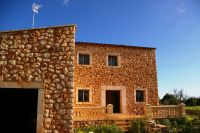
[99,129]
[191,101]
[164,122]
[138,126]
[110,129]
[193,112]
[182,125]
[198,102]
[169,99]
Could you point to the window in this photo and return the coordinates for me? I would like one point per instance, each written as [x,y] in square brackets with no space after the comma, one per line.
[84,59]
[140,96]
[112,60]
[83,95]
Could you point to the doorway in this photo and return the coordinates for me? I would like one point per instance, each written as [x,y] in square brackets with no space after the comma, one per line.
[113,97]
[18,110]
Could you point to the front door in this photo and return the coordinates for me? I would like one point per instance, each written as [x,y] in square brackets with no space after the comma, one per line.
[113,97]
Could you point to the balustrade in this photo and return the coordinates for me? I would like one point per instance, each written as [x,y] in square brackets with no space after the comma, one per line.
[90,112]
[167,111]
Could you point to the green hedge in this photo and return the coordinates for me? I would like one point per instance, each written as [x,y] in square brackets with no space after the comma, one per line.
[138,126]
[193,112]
[192,108]
[182,125]
[99,129]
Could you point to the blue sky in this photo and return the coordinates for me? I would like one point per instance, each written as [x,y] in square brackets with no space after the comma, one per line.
[171,26]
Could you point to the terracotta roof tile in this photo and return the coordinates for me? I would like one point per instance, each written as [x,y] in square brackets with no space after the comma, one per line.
[108,44]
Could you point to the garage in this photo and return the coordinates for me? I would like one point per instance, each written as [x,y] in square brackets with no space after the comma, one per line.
[18,109]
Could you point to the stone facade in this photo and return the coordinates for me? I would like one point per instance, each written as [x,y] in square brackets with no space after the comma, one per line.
[136,71]
[47,59]
[44,56]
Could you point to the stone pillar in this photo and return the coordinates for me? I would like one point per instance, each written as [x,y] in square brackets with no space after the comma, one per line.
[148,111]
[110,109]
[182,109]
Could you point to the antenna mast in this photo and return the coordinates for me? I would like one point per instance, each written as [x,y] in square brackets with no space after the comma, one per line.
[35,8]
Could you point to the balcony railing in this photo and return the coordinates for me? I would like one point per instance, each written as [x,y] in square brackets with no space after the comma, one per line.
[160,111]
[84,116]
[88,113]
[166,111]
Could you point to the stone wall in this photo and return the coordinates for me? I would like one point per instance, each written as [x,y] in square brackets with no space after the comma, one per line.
[137,70]
[44,56]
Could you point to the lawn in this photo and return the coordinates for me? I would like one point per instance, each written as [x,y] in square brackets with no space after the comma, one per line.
[192,108]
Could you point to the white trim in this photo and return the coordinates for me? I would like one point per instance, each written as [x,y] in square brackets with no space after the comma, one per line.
[122,90]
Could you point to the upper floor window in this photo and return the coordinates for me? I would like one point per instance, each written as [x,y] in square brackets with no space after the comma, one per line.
[140,97]
[84,59]
[83,95]
[113,60]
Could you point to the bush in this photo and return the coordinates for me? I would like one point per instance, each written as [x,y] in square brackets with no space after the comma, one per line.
[193,112]
[99,129]
[138,126]
[169,99]
[182,125]
[164,122]
[198,102]
[191,101]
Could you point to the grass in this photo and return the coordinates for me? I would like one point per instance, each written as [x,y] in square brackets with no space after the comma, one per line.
[193,108]
[192,117]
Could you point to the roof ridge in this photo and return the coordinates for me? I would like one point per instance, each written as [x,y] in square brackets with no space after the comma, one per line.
[38,28]
[109,44]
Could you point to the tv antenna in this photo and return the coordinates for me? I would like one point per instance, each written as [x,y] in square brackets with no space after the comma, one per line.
[35,8]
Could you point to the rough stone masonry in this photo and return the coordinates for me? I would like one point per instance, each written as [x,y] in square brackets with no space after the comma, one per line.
[44,56]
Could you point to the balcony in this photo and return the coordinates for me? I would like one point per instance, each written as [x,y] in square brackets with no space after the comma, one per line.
[95,116]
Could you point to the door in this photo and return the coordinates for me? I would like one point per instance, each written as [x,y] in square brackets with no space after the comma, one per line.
[18,110]
[113,97]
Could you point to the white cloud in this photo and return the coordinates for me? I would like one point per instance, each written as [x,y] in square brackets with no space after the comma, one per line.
[181,9]
[65,2]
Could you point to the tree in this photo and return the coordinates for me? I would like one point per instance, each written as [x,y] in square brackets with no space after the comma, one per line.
[177,97]
[192,101]
[198,102]
[169,99]
[180,96]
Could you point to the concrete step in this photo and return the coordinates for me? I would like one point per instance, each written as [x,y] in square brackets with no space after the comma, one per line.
[123,124]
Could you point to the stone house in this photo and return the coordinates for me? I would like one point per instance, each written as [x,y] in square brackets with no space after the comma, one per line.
[121,75]
[49,82]
[36,80]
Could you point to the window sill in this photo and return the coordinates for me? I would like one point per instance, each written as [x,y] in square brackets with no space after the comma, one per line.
[84,65]
[141,102]
[83,103]
[113,66]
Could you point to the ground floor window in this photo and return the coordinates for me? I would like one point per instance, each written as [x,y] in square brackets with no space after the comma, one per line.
[83,95]
[140,95]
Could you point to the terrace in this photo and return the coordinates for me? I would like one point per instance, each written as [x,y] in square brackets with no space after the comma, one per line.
[84,116]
